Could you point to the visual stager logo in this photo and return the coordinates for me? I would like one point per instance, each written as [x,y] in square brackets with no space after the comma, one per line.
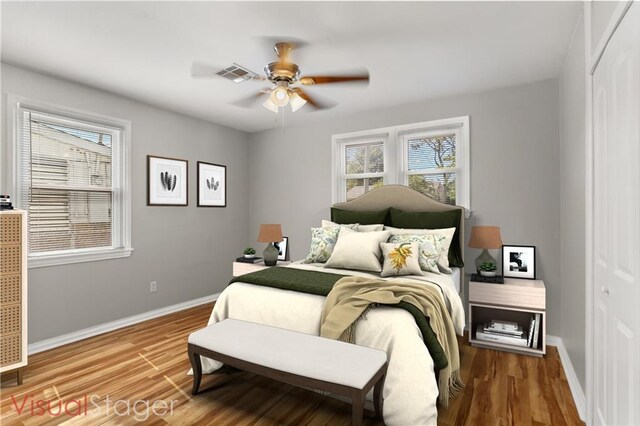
[92,405]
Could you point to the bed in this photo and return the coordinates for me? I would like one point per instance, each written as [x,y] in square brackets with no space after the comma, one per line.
[411,390]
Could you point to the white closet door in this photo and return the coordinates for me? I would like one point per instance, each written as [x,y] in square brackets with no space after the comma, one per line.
[616,120]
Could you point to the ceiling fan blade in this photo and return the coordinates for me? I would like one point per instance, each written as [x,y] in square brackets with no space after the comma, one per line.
[250,100]
[202,70]
[327,79]
[314,102]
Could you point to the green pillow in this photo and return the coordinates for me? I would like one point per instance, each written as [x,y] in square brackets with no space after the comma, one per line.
[363,218]
[432,220]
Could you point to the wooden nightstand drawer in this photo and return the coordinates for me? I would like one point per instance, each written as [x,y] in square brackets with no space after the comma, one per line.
[514,292]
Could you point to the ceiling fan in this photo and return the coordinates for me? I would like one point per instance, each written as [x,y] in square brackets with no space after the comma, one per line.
[286,79]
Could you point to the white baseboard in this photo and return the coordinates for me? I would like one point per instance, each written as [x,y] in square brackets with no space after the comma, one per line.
[572,378]
[54,342]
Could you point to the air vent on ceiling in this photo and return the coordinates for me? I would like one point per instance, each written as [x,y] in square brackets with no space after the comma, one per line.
[237,73]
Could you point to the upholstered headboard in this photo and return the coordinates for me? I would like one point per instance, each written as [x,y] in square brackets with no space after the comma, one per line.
[403,198]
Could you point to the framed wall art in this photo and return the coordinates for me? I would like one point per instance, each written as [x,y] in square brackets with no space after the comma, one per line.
[167,181]
[283,248]
[519,262]
[212,185]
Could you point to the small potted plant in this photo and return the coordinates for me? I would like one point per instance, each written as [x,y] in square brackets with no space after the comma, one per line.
[488,269]
[249,253]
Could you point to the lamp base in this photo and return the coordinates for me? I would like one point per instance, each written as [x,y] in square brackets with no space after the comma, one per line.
[270,255]
[484,257]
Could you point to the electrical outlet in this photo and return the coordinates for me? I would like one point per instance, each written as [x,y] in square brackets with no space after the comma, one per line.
[153,286]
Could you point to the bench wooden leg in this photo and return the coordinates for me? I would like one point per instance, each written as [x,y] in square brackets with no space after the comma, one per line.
[196,364]
[378,400]
[357,401]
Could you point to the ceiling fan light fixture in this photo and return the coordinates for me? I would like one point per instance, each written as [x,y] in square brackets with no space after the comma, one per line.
[270,106]
[296,101]
[279,96]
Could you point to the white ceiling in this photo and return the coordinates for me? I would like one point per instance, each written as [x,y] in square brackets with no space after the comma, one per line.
[413,51]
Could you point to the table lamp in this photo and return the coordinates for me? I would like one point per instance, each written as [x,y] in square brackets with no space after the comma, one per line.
[485,237]
[270,233]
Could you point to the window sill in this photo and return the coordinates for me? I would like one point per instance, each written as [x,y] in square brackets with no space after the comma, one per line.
[42,261]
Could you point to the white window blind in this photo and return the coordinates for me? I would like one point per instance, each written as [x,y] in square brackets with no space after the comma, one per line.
[70,183]
[363,167]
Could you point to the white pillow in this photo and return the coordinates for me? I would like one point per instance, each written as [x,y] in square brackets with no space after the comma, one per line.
[357,250]
[443,260]
[359,228]
[400,259]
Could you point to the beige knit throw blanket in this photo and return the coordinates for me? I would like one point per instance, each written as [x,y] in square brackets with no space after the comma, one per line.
[351,296]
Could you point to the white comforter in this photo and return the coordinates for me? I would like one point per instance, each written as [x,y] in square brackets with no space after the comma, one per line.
[410,390]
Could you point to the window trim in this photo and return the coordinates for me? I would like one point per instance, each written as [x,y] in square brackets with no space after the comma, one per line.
[121,191]
[395,159]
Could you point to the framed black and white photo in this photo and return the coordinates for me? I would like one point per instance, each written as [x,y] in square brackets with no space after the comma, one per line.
[212,185]
[167,181]
[519,262]
[283,248]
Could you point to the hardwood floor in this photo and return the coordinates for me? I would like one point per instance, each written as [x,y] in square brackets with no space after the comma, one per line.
[148,362]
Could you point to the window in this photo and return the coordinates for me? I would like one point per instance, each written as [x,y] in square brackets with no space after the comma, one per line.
[72,179]
[359,164]
[431,157]
[431,164]
[364,168]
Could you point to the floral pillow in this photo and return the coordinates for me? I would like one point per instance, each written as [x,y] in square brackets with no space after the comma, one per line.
[447,233]
[323,240]
[400,259]
[430,247]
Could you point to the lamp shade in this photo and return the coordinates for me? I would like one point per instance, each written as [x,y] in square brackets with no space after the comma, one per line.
[485,237]
[270,233]
[270,106]
[296,101]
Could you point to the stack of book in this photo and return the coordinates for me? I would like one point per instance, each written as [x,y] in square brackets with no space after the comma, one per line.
[499,331]
[248,259]
[534,331]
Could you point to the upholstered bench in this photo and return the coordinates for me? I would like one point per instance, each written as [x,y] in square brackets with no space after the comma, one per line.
[295,358]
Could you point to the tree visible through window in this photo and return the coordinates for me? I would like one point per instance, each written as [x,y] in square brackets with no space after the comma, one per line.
[431,166]
[364,167]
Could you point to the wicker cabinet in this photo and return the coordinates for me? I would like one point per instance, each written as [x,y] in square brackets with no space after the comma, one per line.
[13,291]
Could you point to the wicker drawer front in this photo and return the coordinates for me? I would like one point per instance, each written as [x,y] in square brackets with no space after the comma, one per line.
[10,291]
[10,319]
[10,227]
[10,259]
[10,349]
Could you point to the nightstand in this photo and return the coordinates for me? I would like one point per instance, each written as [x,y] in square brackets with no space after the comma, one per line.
[241,268]
[516,301]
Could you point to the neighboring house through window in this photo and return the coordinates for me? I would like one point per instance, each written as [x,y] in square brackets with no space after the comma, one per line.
[72,178]
[431,157]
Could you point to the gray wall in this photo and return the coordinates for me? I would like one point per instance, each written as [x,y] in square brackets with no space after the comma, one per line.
[572,200]
[514,171]
[188,250]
